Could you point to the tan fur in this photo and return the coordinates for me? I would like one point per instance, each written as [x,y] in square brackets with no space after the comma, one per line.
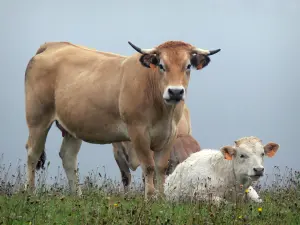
[102,98]
[183,146]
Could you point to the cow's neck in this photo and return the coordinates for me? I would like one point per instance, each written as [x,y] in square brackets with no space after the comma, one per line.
[223,167]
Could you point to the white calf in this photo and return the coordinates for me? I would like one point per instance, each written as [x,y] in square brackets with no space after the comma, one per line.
[220,175]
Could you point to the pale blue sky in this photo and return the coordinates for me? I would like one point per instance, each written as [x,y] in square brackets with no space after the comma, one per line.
[249,88]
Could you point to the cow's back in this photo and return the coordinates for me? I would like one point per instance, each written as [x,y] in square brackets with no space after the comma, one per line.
[201,164]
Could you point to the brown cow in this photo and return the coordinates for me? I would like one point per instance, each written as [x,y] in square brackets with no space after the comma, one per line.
[102,98]
[183,146]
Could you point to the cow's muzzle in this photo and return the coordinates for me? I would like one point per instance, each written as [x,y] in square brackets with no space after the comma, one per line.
[174,94]
[258,172]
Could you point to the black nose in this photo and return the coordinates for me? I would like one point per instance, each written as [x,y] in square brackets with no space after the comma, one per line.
[259,171]
[176,93]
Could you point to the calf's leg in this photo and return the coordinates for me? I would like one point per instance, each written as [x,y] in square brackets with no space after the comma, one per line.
[68,153]
[252,194]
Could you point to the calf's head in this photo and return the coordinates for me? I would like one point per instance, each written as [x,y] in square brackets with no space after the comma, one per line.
[247,156]
[174,60]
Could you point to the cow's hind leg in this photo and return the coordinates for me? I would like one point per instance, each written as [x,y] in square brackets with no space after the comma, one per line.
[68,153]
[123,165]
[35,152]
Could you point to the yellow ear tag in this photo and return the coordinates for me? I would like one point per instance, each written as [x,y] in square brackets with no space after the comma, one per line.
[152,66]
[271,153]
[228,156]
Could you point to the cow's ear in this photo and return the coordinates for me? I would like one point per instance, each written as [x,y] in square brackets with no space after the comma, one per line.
[199,61]
[149,60]
[228,152]
[271,149]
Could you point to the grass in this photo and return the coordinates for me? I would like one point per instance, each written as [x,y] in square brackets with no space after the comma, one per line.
[104,203]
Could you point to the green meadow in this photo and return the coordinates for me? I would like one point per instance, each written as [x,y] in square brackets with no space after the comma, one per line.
[103,202]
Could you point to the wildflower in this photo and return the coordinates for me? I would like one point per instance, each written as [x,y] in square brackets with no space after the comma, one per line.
[240,217]
[259,209]
[247,190]
[115,205]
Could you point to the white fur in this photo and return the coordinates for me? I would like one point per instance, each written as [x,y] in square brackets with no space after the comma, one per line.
[207,174]
[252,194]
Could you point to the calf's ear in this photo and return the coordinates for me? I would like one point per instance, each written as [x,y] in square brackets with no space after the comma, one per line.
[271,148]
[149,60]
[228,152]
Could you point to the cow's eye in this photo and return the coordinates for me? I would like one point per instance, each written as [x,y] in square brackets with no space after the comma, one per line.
[242,156]
[161,67]
[188,67]
[262,154]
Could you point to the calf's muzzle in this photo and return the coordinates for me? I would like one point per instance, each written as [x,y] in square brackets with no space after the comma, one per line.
[258,171]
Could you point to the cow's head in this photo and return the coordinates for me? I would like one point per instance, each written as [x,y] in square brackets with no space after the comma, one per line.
[247,156]
[174,61]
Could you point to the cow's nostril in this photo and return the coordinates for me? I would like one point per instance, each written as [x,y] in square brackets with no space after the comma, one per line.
[176,92]
[170,91]
[258,169]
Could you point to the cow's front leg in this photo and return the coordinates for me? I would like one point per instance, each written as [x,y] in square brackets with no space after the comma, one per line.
[141,142]
[161,166]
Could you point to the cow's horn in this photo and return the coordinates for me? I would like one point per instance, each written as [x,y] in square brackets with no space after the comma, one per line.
[142,51]
[207,52]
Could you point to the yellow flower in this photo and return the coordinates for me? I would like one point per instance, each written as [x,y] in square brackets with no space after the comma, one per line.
[240,217]
[115,205]
[247,190]
[259,209]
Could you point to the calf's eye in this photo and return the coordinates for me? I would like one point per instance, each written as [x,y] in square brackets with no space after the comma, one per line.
[188,67]
[262,154]
[242,156]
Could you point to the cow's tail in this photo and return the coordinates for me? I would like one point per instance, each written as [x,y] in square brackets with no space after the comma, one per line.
[41,162]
